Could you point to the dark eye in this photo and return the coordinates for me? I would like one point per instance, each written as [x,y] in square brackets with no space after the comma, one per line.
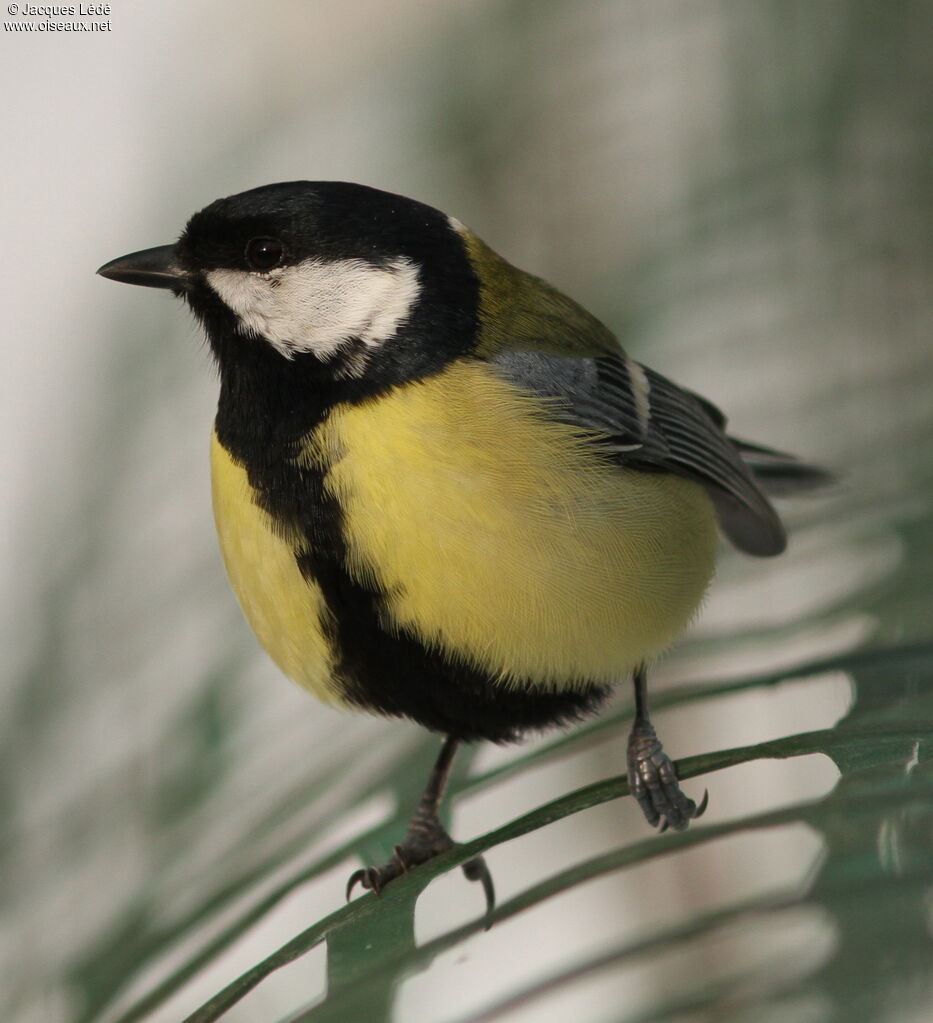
[264,253]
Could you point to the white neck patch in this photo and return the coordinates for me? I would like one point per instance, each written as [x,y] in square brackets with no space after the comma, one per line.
[319,305]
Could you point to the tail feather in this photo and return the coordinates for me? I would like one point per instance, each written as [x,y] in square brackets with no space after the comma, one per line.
[778,473]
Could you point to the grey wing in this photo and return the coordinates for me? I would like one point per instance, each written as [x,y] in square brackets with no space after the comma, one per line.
[652,424]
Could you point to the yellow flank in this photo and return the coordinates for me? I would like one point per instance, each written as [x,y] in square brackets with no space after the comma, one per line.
[283,608]
[507,538]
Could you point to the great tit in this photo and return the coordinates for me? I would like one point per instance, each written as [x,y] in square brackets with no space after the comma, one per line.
[442,489]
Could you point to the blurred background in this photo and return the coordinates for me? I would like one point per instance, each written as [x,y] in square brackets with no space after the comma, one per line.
[742,190]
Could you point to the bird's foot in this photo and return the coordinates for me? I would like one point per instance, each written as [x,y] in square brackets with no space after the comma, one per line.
[653,782]
[426,839]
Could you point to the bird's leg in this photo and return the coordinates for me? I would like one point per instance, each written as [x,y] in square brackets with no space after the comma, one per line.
[651,776]
[426,838]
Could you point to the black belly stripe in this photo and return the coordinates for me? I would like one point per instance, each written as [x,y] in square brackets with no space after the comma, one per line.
[390,671]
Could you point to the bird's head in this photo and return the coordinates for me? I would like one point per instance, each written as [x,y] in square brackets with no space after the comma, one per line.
[351,279]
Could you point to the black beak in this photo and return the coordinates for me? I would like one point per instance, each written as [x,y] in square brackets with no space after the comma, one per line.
[152,268]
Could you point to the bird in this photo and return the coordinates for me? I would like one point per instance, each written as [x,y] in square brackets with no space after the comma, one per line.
[442,489]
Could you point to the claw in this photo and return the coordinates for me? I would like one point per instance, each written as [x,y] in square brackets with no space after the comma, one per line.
[476,870]
[704,803]
[357,877]
[374,879]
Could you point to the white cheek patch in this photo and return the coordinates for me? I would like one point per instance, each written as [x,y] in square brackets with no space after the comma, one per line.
[318,306]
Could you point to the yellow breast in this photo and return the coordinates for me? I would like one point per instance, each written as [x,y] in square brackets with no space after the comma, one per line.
[285,610]
[505,537]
